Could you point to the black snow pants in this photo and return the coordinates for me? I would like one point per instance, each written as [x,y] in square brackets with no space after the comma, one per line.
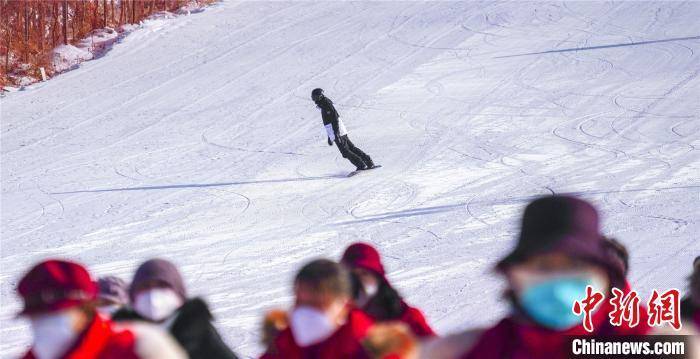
[352,153]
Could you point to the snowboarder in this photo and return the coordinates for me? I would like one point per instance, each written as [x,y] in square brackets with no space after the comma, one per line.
[338,133]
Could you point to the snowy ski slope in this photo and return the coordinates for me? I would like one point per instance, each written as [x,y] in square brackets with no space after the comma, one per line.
[195,139]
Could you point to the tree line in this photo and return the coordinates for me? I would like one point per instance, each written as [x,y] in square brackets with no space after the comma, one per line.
[30,29]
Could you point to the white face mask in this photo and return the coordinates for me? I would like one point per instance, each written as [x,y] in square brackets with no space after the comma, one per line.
[310,326]
[54,334]
[369,290]
[157,304]
[108,310]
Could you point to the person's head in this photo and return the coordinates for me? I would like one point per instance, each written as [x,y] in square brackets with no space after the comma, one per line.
[322,292]
[371,289]
[316,94]
[157,290]
[59,301]
[112,294]
[619,252]
[559,253]
[368,272]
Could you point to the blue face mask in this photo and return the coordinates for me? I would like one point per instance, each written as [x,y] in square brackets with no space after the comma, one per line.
[549,303]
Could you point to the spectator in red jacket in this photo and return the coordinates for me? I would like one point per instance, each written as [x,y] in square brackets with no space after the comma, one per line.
[59,301]
[323,323]
[374,294]
[560,252]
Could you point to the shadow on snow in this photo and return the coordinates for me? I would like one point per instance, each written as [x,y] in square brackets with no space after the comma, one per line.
[602,46]
[202,185]
[422,211]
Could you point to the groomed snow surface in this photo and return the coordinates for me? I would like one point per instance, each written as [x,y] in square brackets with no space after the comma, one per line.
[195,140]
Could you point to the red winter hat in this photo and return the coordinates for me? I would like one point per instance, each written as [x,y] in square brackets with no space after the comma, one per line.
[363,255]
[53,285]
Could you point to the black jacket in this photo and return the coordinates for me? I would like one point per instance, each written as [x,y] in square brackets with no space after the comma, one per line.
[687,308]
[329,113]
[192,329]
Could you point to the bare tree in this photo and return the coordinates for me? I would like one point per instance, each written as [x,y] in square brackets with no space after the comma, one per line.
[65,22]
[26,31]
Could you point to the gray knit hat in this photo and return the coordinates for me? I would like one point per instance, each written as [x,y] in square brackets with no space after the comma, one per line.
[158,270]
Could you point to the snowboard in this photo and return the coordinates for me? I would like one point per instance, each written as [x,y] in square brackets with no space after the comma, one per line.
[355,172]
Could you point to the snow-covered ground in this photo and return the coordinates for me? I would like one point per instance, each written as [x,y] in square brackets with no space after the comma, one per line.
[195,139]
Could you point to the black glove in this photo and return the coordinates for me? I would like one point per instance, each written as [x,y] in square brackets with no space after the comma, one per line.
[330,143]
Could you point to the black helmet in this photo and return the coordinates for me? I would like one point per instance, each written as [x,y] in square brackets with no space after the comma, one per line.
[316,94]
